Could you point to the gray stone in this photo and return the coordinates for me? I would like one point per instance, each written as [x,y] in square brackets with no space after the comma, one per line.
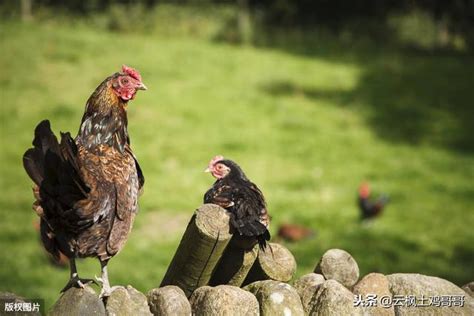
[469,288]
[276,298]
[78,302]
[337,264]
[307,280]
[307,286]
[125,301]
[168,301]
[332,298]
[374,283]
[223,300]
[403,284]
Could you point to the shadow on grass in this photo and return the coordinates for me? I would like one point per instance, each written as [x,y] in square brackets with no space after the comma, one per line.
[405,96]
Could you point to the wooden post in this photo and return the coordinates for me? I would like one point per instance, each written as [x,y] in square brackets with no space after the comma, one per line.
[234,266]
[275,263]
[200,249]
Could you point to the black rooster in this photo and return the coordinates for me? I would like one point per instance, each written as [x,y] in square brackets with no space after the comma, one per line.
[369,208]
[87,188]
[242,198]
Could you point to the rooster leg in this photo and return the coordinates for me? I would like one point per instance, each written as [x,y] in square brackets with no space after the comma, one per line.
[104,280]
[74,279]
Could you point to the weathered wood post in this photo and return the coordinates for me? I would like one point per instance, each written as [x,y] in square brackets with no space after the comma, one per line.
[234,266]
[275,263]
[200,249]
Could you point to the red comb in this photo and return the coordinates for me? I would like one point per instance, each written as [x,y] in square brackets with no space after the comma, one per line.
[131,72]
[364,190]
[215,159]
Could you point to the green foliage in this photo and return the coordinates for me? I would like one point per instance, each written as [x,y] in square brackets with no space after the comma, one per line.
[308,120]
[199,21]
[202,21]
[419,29]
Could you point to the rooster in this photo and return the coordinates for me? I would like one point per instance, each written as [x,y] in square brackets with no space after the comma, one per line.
[243,199]
[369,208]
[86,189]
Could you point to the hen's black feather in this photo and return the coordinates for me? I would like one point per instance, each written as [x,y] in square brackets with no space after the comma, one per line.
[245,202]
[370,209]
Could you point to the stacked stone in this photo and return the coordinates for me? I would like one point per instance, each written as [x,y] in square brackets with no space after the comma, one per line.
[209,275]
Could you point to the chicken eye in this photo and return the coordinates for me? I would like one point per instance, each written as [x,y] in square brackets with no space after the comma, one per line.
[125,81]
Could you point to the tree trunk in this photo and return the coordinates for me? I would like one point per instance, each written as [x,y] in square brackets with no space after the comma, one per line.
[244,23]
[26,8]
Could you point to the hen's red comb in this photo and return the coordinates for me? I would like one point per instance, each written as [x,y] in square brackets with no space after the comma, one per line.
[131,72]
[215,159]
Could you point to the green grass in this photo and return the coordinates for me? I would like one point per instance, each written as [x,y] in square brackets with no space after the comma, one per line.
[307,123]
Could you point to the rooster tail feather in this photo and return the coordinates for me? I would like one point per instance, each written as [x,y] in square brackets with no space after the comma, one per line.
[34,158]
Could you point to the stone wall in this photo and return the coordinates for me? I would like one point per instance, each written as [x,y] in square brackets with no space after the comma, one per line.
[254,282]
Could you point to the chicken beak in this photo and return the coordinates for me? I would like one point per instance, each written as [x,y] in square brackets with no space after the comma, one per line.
[141,86]
[207,170]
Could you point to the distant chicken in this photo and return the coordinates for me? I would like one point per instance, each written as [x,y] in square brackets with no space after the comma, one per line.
[293,232]
[87,188]
[368,207]
[242,198]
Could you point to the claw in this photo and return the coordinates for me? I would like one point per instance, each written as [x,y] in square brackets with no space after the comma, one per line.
[75,281]
[99,279]
[106,292]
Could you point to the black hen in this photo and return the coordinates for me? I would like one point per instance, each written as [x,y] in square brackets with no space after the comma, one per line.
[242,198]
[370,208]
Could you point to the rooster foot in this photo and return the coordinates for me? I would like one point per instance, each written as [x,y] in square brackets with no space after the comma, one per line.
[107,291]
[99,279]
[78,282]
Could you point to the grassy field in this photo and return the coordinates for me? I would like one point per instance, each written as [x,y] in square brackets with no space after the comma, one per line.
[307,124]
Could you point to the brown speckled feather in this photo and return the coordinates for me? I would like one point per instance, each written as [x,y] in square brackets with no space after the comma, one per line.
[113,201]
